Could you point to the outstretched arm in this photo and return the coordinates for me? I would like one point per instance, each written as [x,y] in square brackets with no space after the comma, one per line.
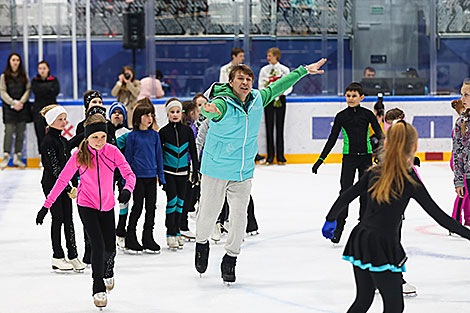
[279,86]
[423,198]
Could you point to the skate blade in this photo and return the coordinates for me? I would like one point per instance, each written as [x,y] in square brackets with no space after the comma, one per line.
[188,238]
[132,252]
[79,270]
[253,233]
[173,249]
[180,247]
[228,283]
[57,270]
[410,294]
[147,251]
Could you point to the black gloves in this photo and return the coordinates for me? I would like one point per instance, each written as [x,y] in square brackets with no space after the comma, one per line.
[416,161]
[124,196]
[194,178]
[316,166]
[41,214]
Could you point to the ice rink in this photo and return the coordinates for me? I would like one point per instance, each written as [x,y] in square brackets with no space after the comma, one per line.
[288,267]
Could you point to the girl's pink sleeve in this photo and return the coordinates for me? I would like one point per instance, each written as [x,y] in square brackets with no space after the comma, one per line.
[125,170]
[65,176]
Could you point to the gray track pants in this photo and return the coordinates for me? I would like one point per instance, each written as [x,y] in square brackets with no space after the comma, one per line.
[213,193]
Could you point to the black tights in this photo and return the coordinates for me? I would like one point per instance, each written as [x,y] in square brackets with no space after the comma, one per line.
[389,285]
[100,228]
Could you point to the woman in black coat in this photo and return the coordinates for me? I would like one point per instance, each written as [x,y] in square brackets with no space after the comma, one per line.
[14,90]
[45,88]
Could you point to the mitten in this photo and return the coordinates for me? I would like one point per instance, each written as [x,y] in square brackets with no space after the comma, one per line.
[316,166]
[328,229]
[41,214]
[124,196]
[416,161]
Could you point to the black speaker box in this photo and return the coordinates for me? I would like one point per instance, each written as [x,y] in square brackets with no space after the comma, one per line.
[134,30]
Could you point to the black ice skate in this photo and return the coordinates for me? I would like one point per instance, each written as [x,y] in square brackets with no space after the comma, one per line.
[148,243]
[132,245]
[202,257]
[228,269]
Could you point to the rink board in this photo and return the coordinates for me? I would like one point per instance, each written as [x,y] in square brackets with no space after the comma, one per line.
[308,123]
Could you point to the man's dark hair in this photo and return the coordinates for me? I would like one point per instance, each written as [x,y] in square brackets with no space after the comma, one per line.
[355,87]
[240,68]
[368,68]
[236,51]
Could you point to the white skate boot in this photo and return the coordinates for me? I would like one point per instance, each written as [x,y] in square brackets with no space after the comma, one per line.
[109,283]
[17,160]
[100,299]
[172,242]
[217,232]
[180,241]
[77,264]
[61,265]
[121,242]
[188,235]
[409,290]
[5,160]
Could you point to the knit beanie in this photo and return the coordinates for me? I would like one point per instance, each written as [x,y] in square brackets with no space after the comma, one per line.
[118,106]
[90,95]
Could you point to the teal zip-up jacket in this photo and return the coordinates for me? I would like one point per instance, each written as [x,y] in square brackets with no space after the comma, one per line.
[231,143]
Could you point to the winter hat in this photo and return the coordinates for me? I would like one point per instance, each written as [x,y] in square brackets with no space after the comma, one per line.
[118,106]
[90,95]
[97,109]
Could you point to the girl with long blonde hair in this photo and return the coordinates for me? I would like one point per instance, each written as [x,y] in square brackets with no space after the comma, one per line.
[95,162]
[374,246]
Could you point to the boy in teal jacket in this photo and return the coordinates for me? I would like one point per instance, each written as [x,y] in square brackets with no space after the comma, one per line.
[235,111]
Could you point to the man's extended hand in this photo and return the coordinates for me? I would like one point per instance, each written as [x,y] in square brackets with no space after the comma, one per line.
[314,68]
[210,107]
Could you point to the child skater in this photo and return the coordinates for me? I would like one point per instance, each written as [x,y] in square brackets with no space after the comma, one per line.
[144,154]
[118,116]
[461,204]
[357,149]
[55,153]
[95,160]
[374,246]
[190,116]
[177,141]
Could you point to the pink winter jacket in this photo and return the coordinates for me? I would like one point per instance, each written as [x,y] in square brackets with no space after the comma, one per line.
[95,189]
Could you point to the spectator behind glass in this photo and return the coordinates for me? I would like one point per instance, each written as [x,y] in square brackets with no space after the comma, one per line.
[14,91]
[45,88]
[369,72]
[127,89]
[151,87]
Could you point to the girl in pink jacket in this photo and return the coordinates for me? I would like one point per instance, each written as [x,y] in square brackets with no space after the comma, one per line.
[95,162]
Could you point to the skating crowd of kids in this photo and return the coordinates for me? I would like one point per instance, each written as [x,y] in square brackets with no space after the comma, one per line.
[205,157]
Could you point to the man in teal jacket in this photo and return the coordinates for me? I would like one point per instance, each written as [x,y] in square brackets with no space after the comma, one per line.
[235,111]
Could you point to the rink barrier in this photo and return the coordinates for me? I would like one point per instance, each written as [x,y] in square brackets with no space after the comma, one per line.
[308,124]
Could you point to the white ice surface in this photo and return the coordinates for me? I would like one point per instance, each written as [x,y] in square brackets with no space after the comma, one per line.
[289,267]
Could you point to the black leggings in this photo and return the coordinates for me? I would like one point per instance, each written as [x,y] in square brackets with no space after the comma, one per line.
[351,164]
[389,285]
[145,189]
[100,228]
[175,191]
[61,212]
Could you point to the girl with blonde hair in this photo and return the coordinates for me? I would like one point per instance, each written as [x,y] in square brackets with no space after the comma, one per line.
[374,246]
